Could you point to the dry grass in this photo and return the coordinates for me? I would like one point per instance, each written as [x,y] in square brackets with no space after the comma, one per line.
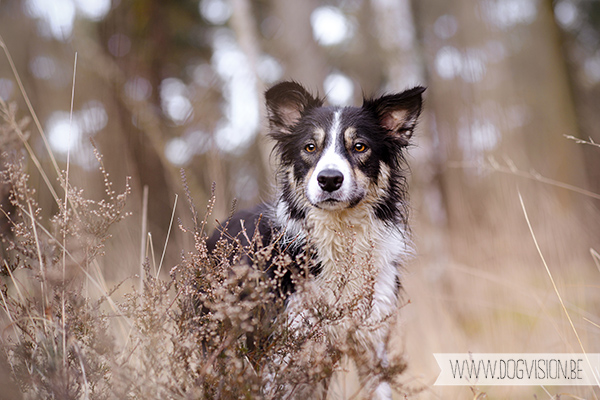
[213,329]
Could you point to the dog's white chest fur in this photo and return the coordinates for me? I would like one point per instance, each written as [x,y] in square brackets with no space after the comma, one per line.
[358,257]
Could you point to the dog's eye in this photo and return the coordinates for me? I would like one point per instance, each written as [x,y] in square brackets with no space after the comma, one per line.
[310,147]
[360,147]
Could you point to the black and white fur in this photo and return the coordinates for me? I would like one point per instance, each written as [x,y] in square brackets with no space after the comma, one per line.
[342,175]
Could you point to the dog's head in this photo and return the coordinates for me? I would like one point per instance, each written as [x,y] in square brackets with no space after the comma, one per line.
[332,157]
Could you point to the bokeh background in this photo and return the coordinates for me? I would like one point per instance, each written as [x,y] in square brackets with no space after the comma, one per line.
[166,85]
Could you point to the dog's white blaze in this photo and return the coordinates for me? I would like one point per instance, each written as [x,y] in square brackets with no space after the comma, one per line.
[331,159]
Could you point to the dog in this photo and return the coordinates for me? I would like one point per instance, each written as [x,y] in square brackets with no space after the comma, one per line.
[342,197]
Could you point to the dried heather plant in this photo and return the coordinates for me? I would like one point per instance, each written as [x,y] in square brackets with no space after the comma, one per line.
[57,342]
[249,348]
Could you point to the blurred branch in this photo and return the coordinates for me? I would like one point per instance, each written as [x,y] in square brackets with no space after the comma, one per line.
[511,169]
[596,257]
[582,141]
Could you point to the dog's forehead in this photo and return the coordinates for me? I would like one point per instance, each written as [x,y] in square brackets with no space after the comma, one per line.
[334,123]
[327,116]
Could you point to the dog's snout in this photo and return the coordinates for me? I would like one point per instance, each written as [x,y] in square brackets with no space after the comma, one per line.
[330,180]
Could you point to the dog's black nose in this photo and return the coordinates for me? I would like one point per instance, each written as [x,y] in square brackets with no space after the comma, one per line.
[330,180]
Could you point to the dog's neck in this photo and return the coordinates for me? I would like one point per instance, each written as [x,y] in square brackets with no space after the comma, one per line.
[344,238]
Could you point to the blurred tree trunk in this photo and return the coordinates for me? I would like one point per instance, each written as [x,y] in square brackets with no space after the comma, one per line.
[542,79]
[395,26]
[294,45]
[581,47]
[243,22]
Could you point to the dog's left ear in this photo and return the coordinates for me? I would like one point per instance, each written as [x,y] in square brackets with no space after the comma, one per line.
[398,113]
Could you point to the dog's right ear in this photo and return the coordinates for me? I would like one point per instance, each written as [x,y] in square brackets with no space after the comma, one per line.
[286,103]
[398,113]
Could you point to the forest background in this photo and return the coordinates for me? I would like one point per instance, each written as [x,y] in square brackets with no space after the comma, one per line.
[496,165]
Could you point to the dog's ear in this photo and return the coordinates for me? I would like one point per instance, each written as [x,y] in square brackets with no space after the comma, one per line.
[286,103]
[398,113]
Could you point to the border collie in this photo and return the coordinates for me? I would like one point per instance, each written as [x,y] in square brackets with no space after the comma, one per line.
[341,187]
